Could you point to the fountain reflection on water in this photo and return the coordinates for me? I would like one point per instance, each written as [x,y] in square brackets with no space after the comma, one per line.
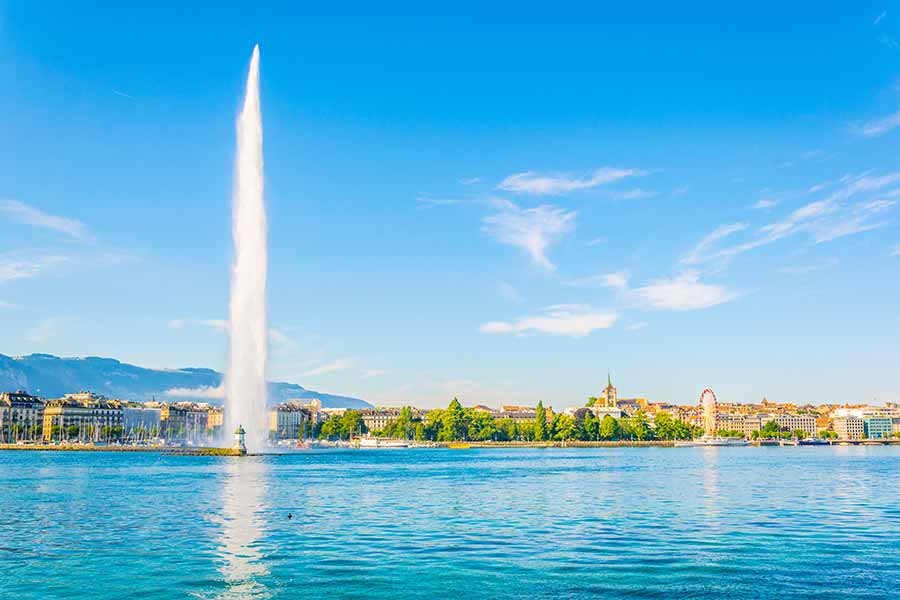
[243,524]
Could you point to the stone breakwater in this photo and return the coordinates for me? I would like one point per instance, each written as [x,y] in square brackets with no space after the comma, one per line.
[158,449]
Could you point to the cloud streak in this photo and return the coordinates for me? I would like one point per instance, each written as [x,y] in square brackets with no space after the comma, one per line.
[533,230]
[573,320]
[341,364]
[681,293]
[205,391]
[14,266]
[536,184]
[879,127]
[29,215]
[825,220]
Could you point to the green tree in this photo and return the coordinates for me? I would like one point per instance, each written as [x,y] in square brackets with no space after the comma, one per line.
[609,428]
[507,430]
[593,400]
[640,428]
[454,426]
[564,427]
[72,431]
[525,430]
[771,429]
[482,426]
[589,428]
[540,422]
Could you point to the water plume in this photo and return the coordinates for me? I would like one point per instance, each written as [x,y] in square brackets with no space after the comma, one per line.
[245,381]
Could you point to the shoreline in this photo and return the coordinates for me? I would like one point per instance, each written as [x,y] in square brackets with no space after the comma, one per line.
[210,451]
[204,451]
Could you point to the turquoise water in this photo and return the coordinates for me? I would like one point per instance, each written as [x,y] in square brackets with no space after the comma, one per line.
[554,523]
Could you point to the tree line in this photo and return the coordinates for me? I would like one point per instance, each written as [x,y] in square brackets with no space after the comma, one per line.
[459,424]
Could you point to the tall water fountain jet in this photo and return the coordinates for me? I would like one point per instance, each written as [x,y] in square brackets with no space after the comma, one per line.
[245,382]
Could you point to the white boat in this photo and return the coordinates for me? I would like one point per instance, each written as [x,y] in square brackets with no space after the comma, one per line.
[381,443]
[712,441]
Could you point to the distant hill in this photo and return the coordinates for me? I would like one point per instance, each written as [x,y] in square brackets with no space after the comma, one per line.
[51,377]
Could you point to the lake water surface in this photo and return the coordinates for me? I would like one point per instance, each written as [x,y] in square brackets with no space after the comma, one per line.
[523,523]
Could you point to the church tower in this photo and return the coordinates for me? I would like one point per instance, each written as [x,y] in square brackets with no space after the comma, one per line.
[609,393]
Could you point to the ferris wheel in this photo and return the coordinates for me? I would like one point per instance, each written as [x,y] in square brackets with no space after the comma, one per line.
[709,409]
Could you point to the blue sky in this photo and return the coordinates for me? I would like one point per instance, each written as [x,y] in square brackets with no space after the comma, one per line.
[500,203]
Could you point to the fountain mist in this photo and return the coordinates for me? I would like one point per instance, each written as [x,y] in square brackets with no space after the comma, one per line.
[245,382]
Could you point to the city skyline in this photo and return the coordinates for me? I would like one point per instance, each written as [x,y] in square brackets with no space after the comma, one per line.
[520,221]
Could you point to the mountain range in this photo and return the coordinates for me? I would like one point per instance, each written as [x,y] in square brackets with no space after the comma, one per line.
[52,376]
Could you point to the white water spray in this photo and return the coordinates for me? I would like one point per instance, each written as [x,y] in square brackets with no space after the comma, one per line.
[245,382]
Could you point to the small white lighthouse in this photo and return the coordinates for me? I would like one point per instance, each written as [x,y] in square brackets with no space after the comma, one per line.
[239,435]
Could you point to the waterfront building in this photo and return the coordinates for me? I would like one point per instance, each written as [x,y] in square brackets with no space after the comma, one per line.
[895,425]
[520,414]
[184,422]
[21,416]
[746,424]
[377,419]
[791,422]
[215,419]
[140,422]
[849,427]
[84,417]
[288,421]
[877,428]
[601,411]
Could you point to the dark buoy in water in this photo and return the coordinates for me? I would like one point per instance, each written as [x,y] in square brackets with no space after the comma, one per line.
[290,516]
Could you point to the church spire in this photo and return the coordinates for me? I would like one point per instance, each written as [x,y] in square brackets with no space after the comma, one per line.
[608,379]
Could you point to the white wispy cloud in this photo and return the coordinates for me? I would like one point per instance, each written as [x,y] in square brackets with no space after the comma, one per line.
[29,215]
[341,364]
[596,241]
[205,391]
[531,229]
[123,94]
[220,324]
[684,292]
[17,266]
[889,42]
[470,180]
[636,326]
[632,194]
[825,220]
[43,331]
[509,292]
[573,320]
[810,268]
[618,280]
[531,182]
[861,219]
[764,204]
[367,373]
[276,336]
[698,253]
[878,127]
[896,250]
[880,17]
[424,201]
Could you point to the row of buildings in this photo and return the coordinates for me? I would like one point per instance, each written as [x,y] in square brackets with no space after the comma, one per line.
[841,420]
[87,417]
